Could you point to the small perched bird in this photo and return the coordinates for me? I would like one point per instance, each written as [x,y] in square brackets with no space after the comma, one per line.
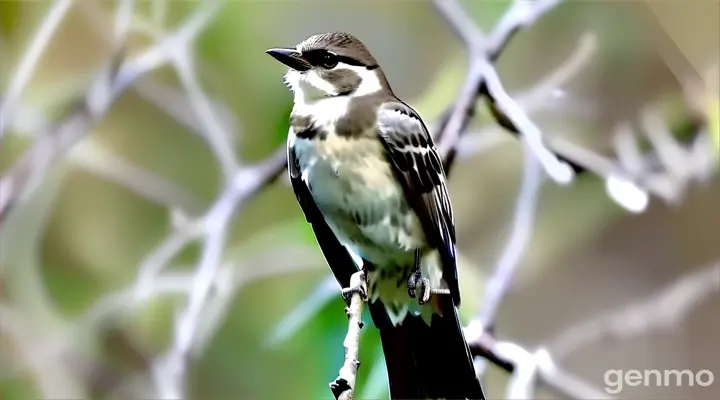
[368,178]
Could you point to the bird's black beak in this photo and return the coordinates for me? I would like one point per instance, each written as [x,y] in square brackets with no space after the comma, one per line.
[290,57]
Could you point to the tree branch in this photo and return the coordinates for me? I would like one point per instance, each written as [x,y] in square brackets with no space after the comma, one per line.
[664,309]
[28,63]
[169,370]
[96,159]
[343,387]
[482,79]
[28,172]
[521,233]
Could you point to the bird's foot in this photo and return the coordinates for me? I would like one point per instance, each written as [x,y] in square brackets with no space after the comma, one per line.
[358,284]
[419,287]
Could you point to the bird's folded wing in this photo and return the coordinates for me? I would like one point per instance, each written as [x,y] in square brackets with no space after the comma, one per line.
[418,166]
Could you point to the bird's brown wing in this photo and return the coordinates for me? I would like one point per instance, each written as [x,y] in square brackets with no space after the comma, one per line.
[419,169]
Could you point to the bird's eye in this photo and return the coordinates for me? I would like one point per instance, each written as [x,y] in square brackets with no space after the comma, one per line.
[329,60]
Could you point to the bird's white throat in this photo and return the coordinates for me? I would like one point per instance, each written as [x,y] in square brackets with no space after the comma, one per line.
[309,87]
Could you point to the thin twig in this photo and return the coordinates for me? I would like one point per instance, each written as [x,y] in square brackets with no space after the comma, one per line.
[29,61]
[634,176]
[531,367]
[28,172]
[343,387]
[213,129]
[664,309]
[544,91]
[511,111]
[248,183]
[52,382]
[175,104]
[169,370]
[522,14]
[460,22]
[111,82]
[482,79]
[233,276]
[543,96]
[521,232]
[97,159]
[182,108]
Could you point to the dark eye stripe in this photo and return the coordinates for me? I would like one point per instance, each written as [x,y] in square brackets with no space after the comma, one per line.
[315,57]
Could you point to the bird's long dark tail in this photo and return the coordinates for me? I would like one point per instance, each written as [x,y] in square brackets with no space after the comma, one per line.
[427,361]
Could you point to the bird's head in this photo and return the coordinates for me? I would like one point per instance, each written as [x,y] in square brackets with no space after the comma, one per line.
[330,64]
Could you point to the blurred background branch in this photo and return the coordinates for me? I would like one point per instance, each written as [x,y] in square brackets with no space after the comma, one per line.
[139,142]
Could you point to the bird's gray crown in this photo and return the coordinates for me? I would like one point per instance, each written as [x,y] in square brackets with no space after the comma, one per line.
[345,46]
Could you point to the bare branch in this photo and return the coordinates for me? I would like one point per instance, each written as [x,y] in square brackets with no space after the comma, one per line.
[231,278]
[343,387]
[558,170]
[521,231]
[28,172]
[522,14]
[112,81]
[52,382]
[183,108]
[123,16]
[634,175]
[174,103]
[94,158]
[549,87]
[671,154]
[459,117]
[531,368]
[213,129]
[276,261]
[482,79]
[29,61]
[460,22]
[664,309]
[538,98]
[169,370]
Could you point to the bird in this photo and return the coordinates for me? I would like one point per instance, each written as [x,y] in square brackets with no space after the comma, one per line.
[368,178]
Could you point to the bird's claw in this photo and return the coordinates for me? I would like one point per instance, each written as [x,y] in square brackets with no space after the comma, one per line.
[419,287]
[358,284]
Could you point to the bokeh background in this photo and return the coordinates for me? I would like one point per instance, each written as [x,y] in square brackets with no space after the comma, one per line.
[72,250]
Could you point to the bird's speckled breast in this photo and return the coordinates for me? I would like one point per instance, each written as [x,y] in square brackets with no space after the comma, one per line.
[355,188]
